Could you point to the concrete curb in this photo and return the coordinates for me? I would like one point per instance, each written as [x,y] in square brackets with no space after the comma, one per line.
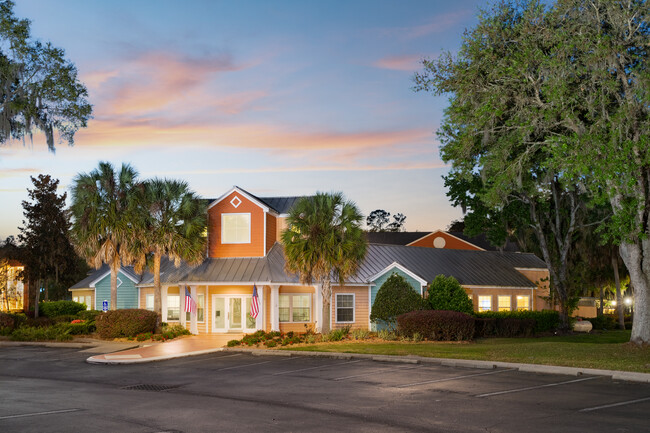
[47,344]
[466,363]
[96,360]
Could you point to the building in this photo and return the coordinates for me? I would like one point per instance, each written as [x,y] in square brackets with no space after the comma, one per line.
[12,293]
[244,252]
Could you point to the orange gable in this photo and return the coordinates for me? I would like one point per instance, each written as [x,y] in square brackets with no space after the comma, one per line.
[440,239]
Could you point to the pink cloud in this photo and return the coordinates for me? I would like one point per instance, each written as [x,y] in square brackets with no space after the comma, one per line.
[438,24]
[408,63]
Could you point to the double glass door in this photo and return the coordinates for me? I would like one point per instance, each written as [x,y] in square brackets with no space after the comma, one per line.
[232,313]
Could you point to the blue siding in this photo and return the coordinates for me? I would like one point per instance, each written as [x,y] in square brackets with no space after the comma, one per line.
[415,284]
[127,293]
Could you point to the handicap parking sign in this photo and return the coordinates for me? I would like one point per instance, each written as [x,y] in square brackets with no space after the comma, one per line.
[105,306]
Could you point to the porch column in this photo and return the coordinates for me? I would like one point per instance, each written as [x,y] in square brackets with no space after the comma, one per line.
[275,307]
[181,313]
[194,328]
[318,307]
[163,302]
[259,320]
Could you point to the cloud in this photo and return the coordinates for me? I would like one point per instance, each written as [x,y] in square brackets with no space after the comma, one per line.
[17,172]
[408,63]
[438,24]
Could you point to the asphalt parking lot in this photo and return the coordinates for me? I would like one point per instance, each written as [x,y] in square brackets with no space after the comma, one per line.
[55,390]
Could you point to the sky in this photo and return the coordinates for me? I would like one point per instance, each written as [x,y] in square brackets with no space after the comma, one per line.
[281,98]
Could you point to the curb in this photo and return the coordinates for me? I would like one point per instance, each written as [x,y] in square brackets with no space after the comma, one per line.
[465,363]
[128,360]
[47,344]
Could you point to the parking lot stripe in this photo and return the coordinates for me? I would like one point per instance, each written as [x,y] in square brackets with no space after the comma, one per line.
[314,368]
[50,412]
[376,371]
[213,358]
[425,382]
[255,363]
[622,403]
[537,387]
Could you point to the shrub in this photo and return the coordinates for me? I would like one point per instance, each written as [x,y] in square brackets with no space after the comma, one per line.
[233,343]
[83,328]
[437,325]
[395,297]
[360,334]
[604,322]
[270,343]
[7,320]
[545,320]
[174,331]
[39,322]
[125,323]
[446,293]
[144,336]
[88,314]
[60,308]
[387,335]
[58,332]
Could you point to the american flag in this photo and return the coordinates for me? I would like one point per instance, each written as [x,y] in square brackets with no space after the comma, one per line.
[255,304]
[190,305]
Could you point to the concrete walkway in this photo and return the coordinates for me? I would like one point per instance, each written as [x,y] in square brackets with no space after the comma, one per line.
[177,348]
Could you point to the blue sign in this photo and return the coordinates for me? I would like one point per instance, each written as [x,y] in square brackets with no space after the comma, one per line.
[105,306]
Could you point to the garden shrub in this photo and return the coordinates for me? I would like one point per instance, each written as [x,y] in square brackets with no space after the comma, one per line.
[387,335]
[39,322]
[437,325]
[506,327]
[360,334]
[233,343]
[7,320]
[81,328]
[88,314]
[270,343]
[60,308]
[485,327]
[395,297]
[58,332]
[446,293]
[545,320]
[125,323]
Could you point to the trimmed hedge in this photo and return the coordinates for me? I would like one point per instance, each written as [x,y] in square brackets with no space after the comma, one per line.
[437,325]
[125,323]
[446,293]
[504,327]
[60,308]
[88,314]
[545,320]
[395,297]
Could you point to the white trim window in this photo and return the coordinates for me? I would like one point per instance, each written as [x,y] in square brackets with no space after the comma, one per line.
[148,301]
[200,309]
[84,300]
[173,307]
[345,307]
[485,303]
[504,303]
[236,228]
[294,307]
[523,303]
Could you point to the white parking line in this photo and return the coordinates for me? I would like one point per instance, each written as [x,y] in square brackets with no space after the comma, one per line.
[452,378]
[38,413]
[376,371]
[214,358]
[537,387]
[623,403]
[255,363]
[320,366]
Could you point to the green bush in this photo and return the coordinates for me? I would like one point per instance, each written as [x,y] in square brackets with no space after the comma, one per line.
[125,323]
[39,322]
[506,327]
[437,325]
[174,331]
[446,293]
[60,308]
[387,335]
[604,322]
[233,343]
[337,334]
[5,331]
[58,332]
[7,320]
[395,297]
[84,328]
[360,334]
[88,314]
[270,343]
[545,320]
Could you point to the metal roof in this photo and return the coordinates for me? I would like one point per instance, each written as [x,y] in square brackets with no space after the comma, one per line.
[97,273]
[405,238]
[281,204]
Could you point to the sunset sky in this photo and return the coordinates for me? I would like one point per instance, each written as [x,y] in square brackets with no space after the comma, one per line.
[277,97]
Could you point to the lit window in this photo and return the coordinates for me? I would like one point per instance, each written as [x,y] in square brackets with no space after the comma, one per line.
[173,307]
[504,303]
[236,228]
[523,303]
[344,308]
[149,302]
[484,303]
[295,308]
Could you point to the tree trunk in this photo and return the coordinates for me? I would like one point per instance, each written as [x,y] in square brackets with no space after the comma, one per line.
[115,268]
[157,292]
[636,257]
[619,297]
[47,292]
[600,306]
[326,293]
[37,297]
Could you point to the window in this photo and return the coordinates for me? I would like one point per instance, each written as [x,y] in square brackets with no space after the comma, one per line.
[523,303]
[484,303]
[236,228]
[148,302]
[344,307]
[295,308]
[84,300]
[173,307]
[504,303]
[200,306]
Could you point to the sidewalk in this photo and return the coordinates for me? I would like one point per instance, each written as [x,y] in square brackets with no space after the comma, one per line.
[177,348]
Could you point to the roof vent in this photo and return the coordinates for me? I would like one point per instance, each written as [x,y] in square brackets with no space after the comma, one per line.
[236,201]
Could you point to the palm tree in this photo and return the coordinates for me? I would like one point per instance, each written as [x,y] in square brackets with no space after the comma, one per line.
[174,224]
[104,204]
[324,241]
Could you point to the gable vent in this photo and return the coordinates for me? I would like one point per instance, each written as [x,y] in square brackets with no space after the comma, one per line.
[236,201]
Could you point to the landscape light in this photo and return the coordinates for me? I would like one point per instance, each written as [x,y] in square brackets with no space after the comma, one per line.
[613,303]
[628,301]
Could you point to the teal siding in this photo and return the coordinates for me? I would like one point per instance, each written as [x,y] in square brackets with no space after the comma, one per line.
[127,293]
[415,284]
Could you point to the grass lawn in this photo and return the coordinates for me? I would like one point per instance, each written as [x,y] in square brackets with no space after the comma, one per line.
[606,350]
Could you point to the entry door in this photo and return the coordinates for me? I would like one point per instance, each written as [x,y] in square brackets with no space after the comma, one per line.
[231,313]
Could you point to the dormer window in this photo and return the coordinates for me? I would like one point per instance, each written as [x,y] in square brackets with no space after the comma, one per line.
[236,228]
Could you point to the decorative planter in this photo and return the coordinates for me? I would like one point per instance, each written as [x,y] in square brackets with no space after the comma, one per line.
[582,326]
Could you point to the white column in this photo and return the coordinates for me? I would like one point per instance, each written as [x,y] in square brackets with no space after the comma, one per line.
[181,314]
[275,308]
[163,301]
[194,328]
[318,307]
[259,321]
